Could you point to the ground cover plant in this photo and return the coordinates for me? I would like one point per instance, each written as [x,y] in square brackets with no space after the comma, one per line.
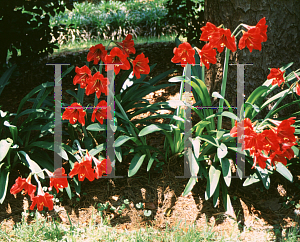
[112,20]
[218,145]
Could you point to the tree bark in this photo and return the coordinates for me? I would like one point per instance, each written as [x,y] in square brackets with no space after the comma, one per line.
[282,46]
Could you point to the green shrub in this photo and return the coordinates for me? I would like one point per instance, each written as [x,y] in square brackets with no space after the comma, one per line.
[113,20]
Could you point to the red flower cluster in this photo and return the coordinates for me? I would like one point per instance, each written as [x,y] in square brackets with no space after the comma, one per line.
[84,168]
[207,55]
[254,36]
[297,85]
[217,38]
[58,180]
[97,83]
[220,38]
[277,76]
[73,113]
[100,112]
[127,45]
[276,142]
[117,56]
[184,54]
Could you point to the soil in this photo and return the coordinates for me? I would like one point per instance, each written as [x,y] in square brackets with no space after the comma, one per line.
[263,213]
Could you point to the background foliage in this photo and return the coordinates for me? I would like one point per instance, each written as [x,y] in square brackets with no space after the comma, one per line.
[24,27]
[188,18]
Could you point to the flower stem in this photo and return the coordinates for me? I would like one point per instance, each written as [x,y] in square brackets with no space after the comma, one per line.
[236,29]
[223,88]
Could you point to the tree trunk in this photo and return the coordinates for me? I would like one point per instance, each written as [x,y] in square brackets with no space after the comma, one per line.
[282,46]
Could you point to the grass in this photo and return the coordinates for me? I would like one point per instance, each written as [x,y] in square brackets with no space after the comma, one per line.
[42,230]
[80,46]
[88,44]
[109,18]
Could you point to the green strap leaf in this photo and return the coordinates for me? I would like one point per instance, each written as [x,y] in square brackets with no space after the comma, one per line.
[151,161]
[226,114]
[28,111]
[49,146]
[263,175]
[118,152]
[4,80]
[121,140]
[97,149]
[226,201]
[33,166]
[226,171]
[189,186]
[68,190]
[177,79]
[34,91]
[209,139]
[196,146]
[253,178]
[216,196]
[255,95]
[135,164]
[213,181]
[4,148]
[154,128]
[13,130]
[4,177]
[222,151]
[280,168]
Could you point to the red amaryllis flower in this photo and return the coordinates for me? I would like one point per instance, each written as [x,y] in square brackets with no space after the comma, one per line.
[102,167]
[222,39]
[42,200]
[298,84]
[248,128]
[277,76]
[184,54]
[83,74]
[102,113]
[96,53]
[287,145]
[127,45]
[288,121]
[23,184]
[268,140]
[140,66]
[261,25]
[250,136]
[285,132]
[260,159]
[83,169]
[288,153]
[207,55]
[208,31]
[73,113]
[298,88]
[97,83]
[252,39]
[117,58]
[277,156]
[58,179]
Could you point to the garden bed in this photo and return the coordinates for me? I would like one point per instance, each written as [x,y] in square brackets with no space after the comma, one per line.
[261,213]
